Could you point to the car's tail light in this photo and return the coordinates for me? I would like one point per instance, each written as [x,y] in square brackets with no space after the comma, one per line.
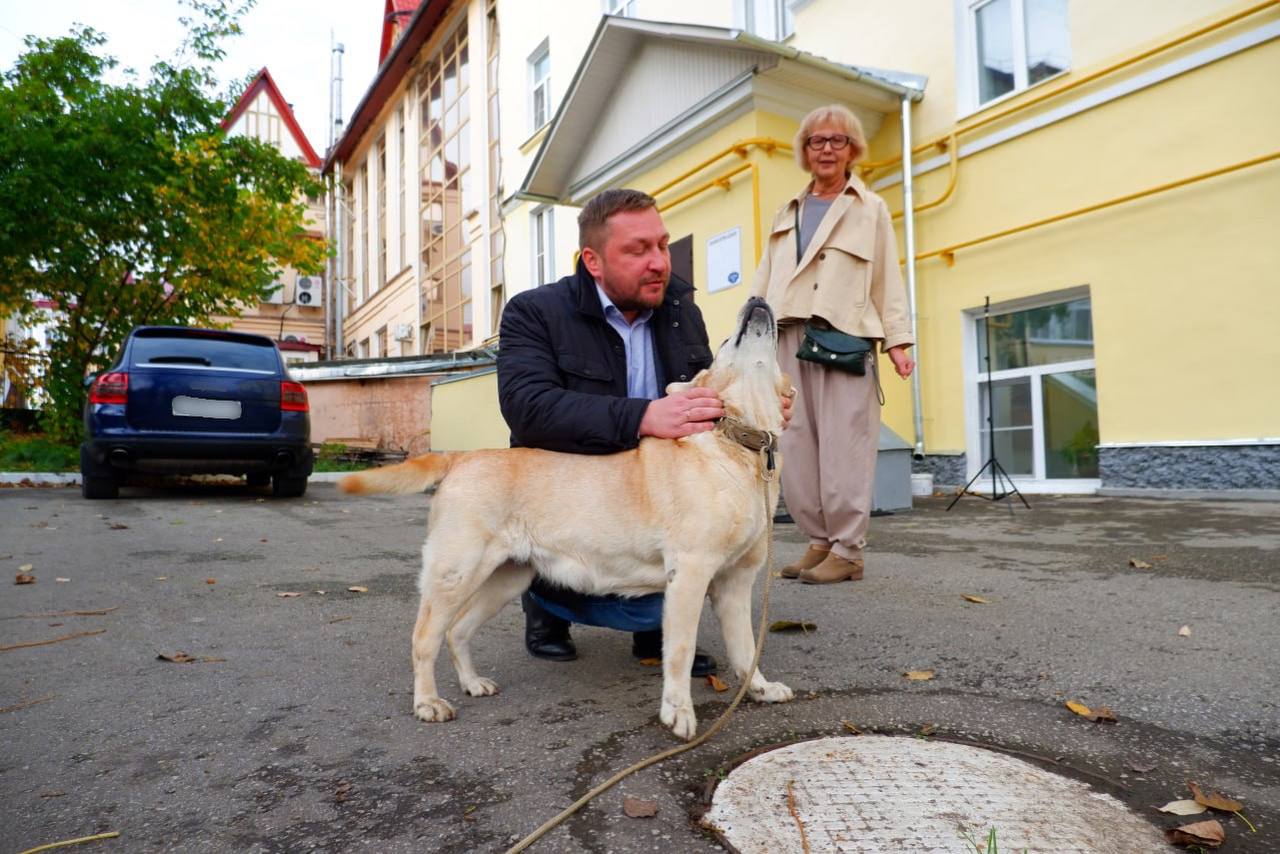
[111,387]
[293,397]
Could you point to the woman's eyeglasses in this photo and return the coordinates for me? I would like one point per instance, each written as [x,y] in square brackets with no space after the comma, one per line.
[837,142]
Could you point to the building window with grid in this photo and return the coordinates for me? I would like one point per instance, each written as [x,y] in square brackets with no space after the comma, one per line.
[497,238]
[381,281]
[1006,46]
[768,19]
[363,286]
[540,86]
[400,179]
[449,195]
[542,230]
[348,214]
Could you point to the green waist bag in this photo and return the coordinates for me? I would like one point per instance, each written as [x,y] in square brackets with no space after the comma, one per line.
[835,349]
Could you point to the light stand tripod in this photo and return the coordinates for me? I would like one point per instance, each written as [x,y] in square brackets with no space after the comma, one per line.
[998,474]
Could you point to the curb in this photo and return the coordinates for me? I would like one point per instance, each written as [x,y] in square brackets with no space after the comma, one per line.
[38,478]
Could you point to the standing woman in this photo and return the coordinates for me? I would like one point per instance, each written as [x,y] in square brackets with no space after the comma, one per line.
[830,272]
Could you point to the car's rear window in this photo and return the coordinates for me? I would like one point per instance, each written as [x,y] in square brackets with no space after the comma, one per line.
[203,352]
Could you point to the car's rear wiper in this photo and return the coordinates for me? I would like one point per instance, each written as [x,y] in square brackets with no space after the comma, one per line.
[180,360]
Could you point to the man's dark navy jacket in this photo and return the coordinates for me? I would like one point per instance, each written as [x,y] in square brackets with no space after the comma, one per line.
[562,369]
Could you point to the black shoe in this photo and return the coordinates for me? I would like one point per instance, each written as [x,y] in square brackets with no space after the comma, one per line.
[649,645]
[546,636]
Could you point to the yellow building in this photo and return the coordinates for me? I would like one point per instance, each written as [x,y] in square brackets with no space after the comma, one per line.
[294,313]
[1107,179]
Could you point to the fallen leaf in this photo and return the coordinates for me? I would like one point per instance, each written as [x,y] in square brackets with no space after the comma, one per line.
[177,522]
[1206,833]
[177,657]
[340,794]
[792,626]
[717,683]
[919,675]
[320,592]
[118,526]
[263,540]
[1079,708]
[977,600]
[928,729]
[1184,632]
[1142,767]
[161,578]
[26,567]
[651,662]
[217,539]
[288,594]
[1187,807]
[637,808]
[62,580]
[211,581]
[1138,564]
[356,588]
[1159,557]
[853,729]
[24,578]
[1214,800]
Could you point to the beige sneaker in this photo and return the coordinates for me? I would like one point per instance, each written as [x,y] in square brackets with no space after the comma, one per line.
[812,558]
[834,568]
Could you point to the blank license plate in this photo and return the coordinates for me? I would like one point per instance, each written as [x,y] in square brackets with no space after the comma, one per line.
[199,407]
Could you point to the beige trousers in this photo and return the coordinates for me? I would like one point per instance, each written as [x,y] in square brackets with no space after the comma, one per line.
[829,449]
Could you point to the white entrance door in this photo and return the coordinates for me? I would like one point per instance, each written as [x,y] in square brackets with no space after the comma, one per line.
[1043,401]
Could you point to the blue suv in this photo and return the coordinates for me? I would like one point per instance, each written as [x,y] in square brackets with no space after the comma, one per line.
[180,400]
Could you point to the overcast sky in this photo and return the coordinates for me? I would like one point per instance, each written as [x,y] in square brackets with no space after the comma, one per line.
[289,37]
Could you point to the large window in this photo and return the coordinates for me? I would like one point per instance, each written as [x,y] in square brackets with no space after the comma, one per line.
[381,281]
[542,230]
[401,182]
[449,195]
[625,8]
[540,86]
[347,213]
[768,19]
[1044,399]
[363,286]
[1008,45]
[497,238]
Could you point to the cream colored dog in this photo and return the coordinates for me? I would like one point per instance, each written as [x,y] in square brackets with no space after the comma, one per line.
[680,516]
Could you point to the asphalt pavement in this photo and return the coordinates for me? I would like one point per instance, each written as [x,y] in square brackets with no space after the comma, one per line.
[291,730]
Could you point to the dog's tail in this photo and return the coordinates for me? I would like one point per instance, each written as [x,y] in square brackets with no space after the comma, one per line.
[412,475]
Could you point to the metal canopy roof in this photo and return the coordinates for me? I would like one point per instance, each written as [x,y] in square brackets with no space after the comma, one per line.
[645,90]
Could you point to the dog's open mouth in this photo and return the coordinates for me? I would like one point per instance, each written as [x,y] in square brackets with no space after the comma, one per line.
[756,319]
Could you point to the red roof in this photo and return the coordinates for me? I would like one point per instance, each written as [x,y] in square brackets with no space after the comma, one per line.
[395,17]
[263,81]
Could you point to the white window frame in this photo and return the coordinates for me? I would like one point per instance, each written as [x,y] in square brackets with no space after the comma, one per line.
[542,224]
[543,52]
[975,377]
[966,16]
[781,28]
[621,8]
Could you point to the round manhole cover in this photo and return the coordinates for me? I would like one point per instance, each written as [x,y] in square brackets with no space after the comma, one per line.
[880,794]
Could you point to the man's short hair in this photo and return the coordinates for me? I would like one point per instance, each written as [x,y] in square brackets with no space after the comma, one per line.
[593,221]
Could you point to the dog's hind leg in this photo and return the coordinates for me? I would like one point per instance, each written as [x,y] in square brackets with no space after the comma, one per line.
[507,582]
[731,599]
[445,590]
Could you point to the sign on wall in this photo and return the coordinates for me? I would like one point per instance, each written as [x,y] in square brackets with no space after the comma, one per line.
[724,260]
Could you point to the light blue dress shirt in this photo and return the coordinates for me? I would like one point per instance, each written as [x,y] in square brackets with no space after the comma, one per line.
[637,341]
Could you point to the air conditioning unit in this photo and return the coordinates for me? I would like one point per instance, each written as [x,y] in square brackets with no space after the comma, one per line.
[308,291]
[277,293]
[404,332]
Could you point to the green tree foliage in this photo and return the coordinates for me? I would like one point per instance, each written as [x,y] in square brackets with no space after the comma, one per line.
[127,204]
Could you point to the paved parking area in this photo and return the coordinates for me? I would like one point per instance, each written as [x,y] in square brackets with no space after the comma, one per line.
[292,730]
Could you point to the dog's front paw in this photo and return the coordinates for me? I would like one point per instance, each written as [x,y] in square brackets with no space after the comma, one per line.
[480,687]
[771,692]
[681,720]
[434,709]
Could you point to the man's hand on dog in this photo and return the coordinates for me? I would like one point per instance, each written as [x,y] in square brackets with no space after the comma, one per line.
[684,413]
[694,410]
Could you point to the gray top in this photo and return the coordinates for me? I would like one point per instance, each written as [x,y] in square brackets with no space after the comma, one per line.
[811,213]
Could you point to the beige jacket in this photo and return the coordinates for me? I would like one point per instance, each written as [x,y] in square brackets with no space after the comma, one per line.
[848,274]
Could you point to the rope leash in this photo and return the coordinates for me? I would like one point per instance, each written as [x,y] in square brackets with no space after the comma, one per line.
[768,473]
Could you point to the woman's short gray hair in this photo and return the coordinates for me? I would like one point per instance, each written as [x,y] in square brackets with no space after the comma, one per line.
[836,114]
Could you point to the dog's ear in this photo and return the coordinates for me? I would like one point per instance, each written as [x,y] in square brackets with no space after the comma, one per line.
[672,388]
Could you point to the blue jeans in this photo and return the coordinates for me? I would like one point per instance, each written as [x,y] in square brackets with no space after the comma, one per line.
[624,613]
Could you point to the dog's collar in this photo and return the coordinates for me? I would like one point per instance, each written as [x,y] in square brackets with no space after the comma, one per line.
[751,438]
